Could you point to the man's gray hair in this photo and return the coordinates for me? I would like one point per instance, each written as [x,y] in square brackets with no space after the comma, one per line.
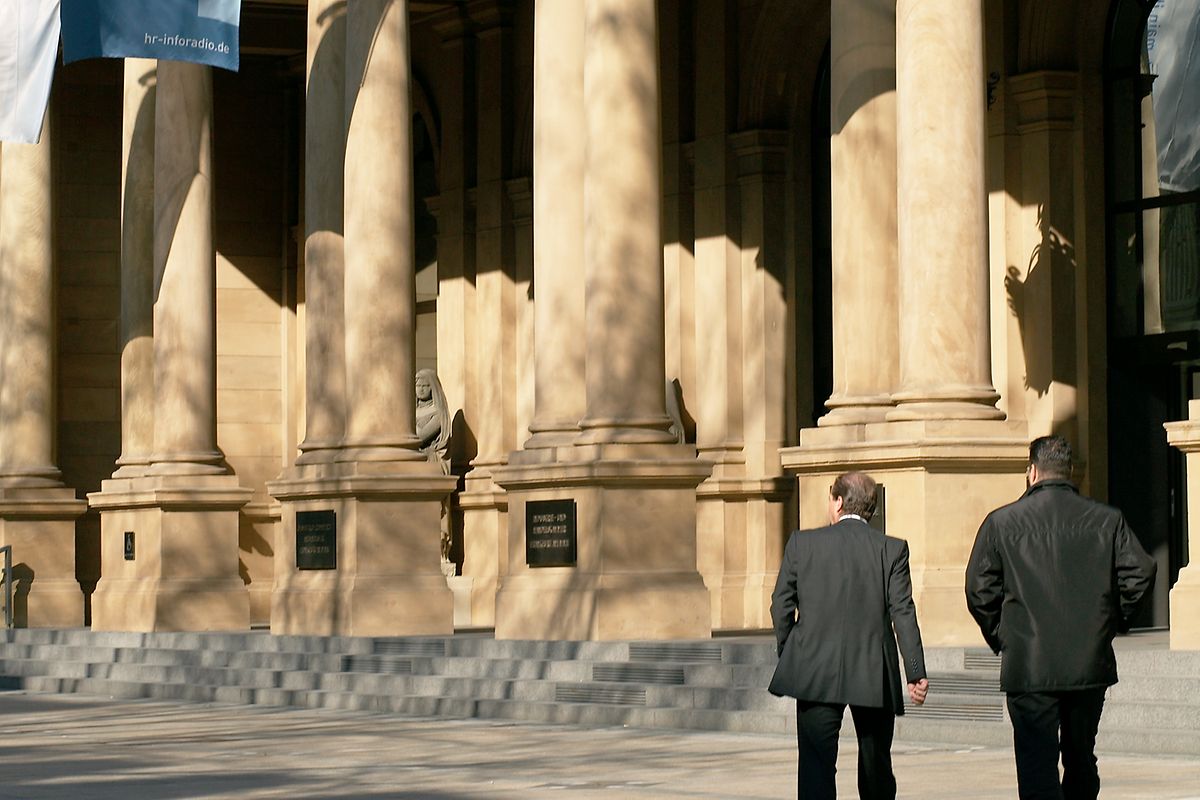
[857,490]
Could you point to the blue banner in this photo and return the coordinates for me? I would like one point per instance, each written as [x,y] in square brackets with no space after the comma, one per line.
[200,31]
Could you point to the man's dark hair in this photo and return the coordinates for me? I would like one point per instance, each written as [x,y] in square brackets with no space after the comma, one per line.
[1052,456]
[857,490]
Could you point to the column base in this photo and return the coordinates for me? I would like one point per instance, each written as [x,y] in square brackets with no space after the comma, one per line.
[635,574]
[856,410]
[183,572]
[1185,609]
[39,523]
[387,578]
[940,478]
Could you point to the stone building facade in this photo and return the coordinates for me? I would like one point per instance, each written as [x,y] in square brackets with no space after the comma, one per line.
[905,236]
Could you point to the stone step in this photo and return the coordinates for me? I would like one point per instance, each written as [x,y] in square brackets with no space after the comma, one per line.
[714,685]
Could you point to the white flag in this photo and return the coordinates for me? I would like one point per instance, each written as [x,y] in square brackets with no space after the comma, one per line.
[28,50]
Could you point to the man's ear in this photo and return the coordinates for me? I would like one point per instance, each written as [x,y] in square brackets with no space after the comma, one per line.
[835,508]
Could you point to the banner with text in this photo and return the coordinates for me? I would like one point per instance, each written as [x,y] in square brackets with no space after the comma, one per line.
[28,52]
[200,31]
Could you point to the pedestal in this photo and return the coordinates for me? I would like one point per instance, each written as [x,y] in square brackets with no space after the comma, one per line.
[39,523]
[484,529]
[635,573]
[741,529]
[387,578]
[940,478]
[180,572]
[1185,594]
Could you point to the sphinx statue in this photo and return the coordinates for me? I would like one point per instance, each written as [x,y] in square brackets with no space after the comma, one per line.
[433,429]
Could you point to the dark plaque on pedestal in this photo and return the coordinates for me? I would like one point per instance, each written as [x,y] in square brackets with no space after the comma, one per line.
[316,540]
[550,533]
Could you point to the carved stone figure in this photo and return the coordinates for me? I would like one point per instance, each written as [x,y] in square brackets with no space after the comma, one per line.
[433,429]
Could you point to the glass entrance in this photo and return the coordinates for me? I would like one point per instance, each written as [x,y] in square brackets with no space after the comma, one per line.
[1153,78]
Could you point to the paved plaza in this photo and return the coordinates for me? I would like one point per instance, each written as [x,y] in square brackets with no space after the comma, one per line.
[75,747]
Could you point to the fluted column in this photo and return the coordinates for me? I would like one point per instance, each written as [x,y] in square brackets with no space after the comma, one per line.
[37,513]
[863,194]
[380,290]
[185,359]
[558,169]
[27,314]
[137,267]
[622,230]
[945,362]
[324,166]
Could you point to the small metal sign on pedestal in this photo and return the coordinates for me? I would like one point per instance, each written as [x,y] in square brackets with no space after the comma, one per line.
[550,533]
[316,540]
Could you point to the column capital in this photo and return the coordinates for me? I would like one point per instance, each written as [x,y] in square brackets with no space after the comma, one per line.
[490,15]
[760,153]
[452,24]
[520,196]
[1045,100]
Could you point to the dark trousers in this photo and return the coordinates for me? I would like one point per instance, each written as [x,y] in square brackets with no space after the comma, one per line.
[817,728]
[1046,724]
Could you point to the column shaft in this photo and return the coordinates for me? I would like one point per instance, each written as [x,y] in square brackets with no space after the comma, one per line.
[622,233]
[380,289]
[945,359]
[27,343]
[185,356]
[863,194]
[495,290]
[324,266]
[558,158]
[137,267]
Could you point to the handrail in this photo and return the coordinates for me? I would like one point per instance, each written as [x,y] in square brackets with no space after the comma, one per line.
[8,599]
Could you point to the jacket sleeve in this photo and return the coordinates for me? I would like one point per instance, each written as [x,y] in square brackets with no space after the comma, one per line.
[904,617]
[985,585]
[785,598]
[1134,570]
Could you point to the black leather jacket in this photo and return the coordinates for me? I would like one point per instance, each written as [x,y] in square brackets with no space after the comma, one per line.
[1051,579]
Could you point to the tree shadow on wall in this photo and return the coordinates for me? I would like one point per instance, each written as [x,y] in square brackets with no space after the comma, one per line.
[1044,304]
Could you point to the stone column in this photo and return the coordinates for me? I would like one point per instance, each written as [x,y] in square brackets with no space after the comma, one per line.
[137,268]
[622,247]
[945,358]
[1185,594]
[494,346]
[185,296]
[380,290]
[863,194]
[558,158]
[631,573]
[718,285]
[373,513]
[324,267]
[169,537]
[37,513]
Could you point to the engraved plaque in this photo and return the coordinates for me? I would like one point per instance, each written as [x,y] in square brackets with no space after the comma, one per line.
[316,540]
[550,533]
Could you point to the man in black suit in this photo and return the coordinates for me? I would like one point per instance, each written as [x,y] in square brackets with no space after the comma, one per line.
[843,596]
[1051,579]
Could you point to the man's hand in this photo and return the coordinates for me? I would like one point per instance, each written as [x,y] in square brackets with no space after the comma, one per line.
[918,690]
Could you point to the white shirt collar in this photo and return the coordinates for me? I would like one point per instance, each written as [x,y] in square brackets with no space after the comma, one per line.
[851,516]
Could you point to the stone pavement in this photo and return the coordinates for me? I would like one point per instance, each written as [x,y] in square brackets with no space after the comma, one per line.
[54,746]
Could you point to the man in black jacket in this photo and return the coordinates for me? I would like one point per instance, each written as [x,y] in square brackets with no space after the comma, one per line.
[1051,579]
[840,591]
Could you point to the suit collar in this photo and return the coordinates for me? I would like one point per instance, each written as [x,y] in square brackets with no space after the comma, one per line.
[1051,483]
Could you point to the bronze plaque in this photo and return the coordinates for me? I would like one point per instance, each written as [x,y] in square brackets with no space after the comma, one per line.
[316,540]
[550,533]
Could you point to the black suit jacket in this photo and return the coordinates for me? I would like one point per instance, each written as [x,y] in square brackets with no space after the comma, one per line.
[852,589]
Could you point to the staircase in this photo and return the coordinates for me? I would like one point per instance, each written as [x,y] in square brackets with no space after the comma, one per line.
[704,685]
